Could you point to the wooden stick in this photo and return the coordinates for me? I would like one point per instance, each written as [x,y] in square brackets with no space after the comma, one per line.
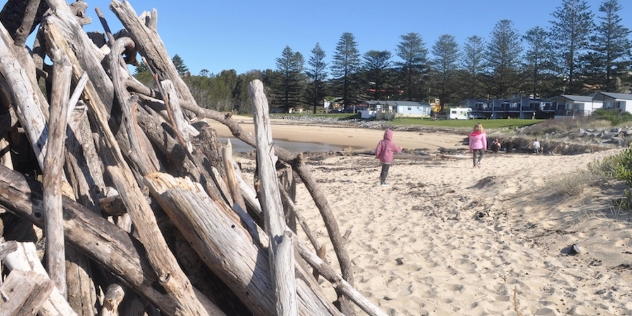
[24,292]
[233,185]
[29,109]
[105,25]
[25,258]
[88,57]
[140,158]
[321,250]
[337,281]
[303,171]
[225,246]
[81,84]
[27,23]
[151,47]
[53,164]
[107,244]
[281,256]
[113,297]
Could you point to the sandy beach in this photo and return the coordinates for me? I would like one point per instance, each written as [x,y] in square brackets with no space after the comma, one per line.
[356,138]
[448,239]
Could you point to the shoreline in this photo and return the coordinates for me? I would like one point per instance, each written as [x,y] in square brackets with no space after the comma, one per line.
[350,136]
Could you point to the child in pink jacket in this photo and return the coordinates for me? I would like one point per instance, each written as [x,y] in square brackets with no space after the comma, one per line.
[384,152]
[478,144]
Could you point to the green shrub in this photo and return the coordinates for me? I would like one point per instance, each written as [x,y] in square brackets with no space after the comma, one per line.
[615,117]
[618,167]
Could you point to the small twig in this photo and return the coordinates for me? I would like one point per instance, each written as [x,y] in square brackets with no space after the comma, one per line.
[515,301]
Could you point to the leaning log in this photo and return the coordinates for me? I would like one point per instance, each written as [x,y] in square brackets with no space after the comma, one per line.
[281,250]
[107,244]
[53,163]
[24,98]
[225,246]
[88,56]
[304,173]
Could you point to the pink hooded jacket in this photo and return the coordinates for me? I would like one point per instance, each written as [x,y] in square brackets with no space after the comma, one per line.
[478,140]
[386,147]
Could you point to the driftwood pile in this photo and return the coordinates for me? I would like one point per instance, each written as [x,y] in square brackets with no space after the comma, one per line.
[141,209]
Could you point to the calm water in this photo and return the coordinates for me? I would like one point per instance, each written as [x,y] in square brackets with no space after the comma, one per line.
[296,147]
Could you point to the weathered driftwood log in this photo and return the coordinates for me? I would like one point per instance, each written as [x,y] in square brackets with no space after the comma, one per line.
[25,258]
[229,171]
[160,257]
[303,171]
[113,297]
[128,106]
[107,244]
[53,162]
[281,250]
[88,56]
[7,247]
[21,17]
[226,247]
[321,250]
[338,282]
[332,276]
[24,292]
[151,47]
[182,163]
[24,97]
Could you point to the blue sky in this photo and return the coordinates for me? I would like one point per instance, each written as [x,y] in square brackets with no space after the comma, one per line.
[246,35]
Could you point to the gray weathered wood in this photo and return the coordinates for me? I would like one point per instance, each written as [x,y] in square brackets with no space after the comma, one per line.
[87,55]
[281,255]
[338,282]
[304,173]
[151,47]
[128,106]
[24,98]
[7,247]
[225,246]
[101,240]
[113,297]
[53,162]
[25,258]
[233,185]
[23,293]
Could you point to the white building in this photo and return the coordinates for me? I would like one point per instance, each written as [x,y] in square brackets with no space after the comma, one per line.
[614,101]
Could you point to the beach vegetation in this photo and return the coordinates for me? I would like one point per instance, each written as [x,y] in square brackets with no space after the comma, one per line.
[614,117]
[617,167]
[564,126]
[572,184]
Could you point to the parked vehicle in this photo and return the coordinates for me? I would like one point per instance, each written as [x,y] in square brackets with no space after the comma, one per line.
[459,114]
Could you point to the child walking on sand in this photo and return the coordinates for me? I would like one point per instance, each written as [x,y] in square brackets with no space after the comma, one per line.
[384,152]
[478,144]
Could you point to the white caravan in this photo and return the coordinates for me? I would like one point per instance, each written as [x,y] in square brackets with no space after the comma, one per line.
[459,114]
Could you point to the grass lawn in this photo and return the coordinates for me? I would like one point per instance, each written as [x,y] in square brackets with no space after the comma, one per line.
[487,124]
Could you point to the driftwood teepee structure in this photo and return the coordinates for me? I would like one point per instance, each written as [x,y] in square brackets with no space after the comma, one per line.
[143,210]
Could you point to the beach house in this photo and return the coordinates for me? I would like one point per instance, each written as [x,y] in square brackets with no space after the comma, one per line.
[568,106]
[614,101]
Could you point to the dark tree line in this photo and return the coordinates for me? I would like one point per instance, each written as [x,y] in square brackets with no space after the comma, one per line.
[579,52]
